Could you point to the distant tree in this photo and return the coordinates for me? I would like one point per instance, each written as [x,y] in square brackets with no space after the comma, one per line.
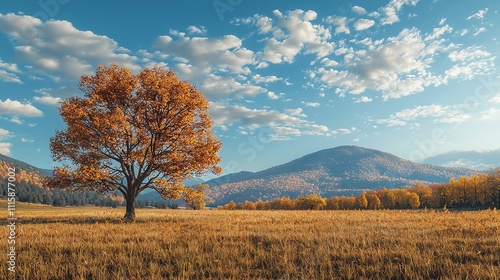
[388,199]
[493,184]
[361,201]
[374,202]
[310,202]
[230,206]
[195,198]
[249,205]
[133,132]
[259,205]
[413,200]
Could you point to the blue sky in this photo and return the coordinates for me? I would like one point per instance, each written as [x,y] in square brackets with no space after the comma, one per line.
[285,78]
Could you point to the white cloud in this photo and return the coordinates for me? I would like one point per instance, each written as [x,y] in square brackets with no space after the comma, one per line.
[286,131]
[438,32]
[225,53]
[479,15]
[16,119]
[312,104]
[495,99]
[439,114]
[14,107]
[5,148]
[340,24]
[58,49]
[274,96]
[223,114]
[196,30]
[467,54]
[342,131]
[7,71]
[329,62]
[392,9]
[363,24]
[9,77]
[283,125]
[48,100]
[265,79]
[25,140]
[479,31]
[221,86]
[3,133]
[359,10]
[295,112]
[491,114]
[363,99]
[401,65]
[292,34]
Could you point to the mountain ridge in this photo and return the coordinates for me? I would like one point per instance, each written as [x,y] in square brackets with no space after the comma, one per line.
[341,170]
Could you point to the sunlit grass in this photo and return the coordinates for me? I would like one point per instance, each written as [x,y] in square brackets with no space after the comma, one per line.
[93,243]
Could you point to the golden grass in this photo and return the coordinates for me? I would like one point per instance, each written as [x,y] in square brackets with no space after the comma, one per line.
[93,243]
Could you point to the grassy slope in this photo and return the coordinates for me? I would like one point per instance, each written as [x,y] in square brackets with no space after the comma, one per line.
[92,243]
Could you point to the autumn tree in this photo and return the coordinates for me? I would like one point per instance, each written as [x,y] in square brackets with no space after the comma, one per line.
[361,201]
[195,198]
[310,202]
[374,202]
[132,132]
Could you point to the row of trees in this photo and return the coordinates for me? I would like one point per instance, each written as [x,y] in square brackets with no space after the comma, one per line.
[27,192]
[476,191]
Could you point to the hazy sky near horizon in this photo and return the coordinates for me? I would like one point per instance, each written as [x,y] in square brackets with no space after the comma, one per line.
[415,78]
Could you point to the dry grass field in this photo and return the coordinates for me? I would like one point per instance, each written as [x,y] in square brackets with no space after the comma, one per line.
[93,243]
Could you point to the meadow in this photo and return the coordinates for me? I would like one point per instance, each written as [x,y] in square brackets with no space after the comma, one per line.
[94,243]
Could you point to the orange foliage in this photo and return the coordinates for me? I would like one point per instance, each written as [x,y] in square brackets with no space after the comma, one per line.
[132,132]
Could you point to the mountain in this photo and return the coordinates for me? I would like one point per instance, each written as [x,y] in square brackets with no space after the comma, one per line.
[24,171]
[480,160]
[343,170]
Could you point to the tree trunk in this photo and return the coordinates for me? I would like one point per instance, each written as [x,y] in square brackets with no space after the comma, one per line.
[130,212]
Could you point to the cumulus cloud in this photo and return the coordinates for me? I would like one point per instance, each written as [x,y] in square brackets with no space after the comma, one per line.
[340,24]
[291,34]
[9,71]
[224,53]
[363,99]
[57,48]
[265,79]
[401,65]
[391,10]
[16,119]
[231,114]
[9,77]
[4,147]
[48,100]
[196,30]
[363,24]
[274,96]
[14,107]
[439,114]
[359,10]
[283,125]
[216,86]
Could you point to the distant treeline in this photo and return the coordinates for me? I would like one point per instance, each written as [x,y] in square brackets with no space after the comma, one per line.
[476,191]
[27,192]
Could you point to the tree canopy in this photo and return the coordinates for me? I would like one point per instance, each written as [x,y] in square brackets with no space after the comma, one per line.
[132,132]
